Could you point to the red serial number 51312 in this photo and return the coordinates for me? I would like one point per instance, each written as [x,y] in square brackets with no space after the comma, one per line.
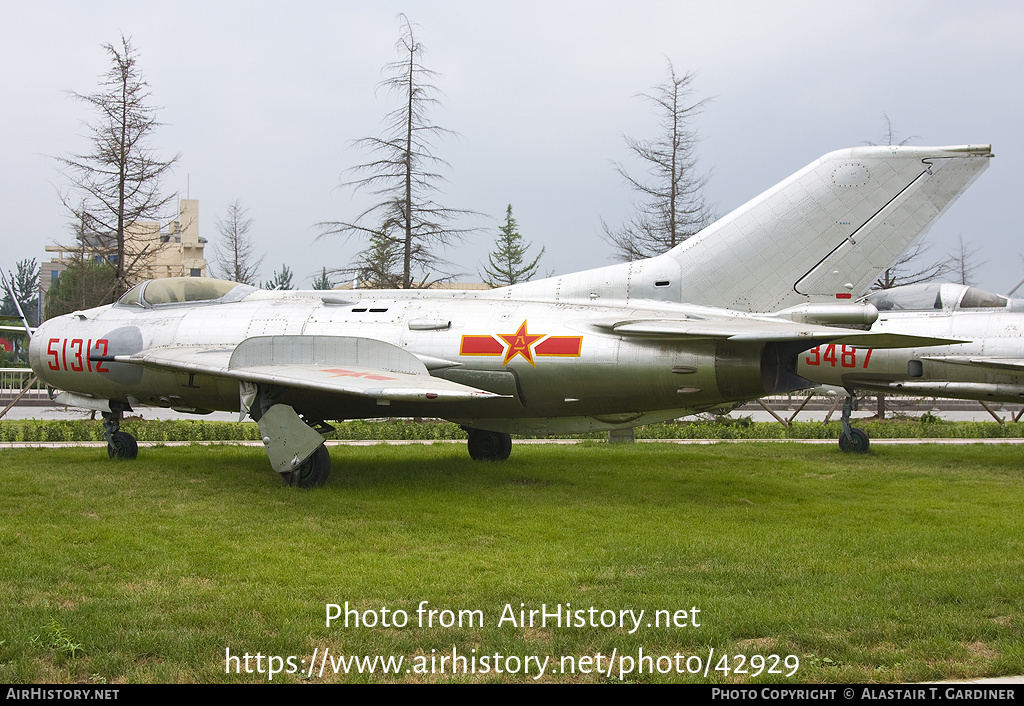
[847,356]
[73,355]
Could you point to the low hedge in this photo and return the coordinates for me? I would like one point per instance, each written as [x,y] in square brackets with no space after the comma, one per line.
[722,428]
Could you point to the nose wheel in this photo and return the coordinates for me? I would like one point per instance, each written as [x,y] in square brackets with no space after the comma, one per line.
[120,444]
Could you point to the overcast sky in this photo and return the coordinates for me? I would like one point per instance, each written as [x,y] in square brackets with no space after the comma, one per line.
[263,100]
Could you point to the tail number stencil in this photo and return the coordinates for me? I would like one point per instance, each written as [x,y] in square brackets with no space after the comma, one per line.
[72,355]
[844,356]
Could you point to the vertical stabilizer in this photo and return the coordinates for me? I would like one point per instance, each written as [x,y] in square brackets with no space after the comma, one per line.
[824,233]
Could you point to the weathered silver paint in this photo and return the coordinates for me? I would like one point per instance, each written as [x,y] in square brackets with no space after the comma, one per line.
[643,353]
[987,366]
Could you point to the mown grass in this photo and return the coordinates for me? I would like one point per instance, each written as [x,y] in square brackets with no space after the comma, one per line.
[901,565]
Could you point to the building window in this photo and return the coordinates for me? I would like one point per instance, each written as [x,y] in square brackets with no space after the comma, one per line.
[195,272]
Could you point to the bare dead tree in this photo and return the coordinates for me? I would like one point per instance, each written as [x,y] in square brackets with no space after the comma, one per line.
[404,173]
[890,135]
[672,204]
[117,183]
[910,269]
[963,262]
[234,255]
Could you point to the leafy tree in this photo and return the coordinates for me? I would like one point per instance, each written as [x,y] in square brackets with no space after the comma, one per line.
[25,282]
[117,182]
[404,174]
[83,285]
[672,203]
[282,279]
[234,255]
[508,258]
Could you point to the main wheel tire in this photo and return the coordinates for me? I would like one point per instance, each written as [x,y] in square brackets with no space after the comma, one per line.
[313,472]
[489,445]
[122,446]
[858,442]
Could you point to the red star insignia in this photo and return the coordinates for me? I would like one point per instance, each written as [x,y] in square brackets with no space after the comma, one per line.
[355,374]
[519,343]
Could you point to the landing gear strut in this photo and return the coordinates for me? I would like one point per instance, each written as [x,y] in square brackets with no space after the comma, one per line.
[296,451]
[120,444]
[853,439]
[489,445]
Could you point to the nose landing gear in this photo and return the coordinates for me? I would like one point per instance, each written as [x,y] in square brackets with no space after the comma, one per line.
[120,444]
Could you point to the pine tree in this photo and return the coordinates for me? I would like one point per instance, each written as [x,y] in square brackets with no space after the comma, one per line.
[506,261]
[282,279]
[323,280]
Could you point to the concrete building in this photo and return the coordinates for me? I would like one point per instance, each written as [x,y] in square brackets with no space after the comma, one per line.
[174,252]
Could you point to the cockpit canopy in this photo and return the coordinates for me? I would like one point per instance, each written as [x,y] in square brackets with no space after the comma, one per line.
[938,297]
[184,290]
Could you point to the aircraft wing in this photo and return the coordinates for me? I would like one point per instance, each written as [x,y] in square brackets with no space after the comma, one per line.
[334,364]
[1008,364]
[765,330]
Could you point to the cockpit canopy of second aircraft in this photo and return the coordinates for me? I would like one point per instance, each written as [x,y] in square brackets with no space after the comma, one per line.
[184,290]
[938,297]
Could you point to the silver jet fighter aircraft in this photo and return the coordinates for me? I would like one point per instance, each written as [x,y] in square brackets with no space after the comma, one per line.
[986,363]
[598,350]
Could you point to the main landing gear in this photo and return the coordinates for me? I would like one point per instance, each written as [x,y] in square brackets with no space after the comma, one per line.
[311,473]
[853,439]
[488,445]
[295,449]
[120,444]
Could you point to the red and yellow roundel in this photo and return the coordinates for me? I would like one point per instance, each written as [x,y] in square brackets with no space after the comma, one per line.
[522,343]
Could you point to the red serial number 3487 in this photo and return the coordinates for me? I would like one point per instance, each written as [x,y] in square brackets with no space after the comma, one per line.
[846,356]
[73,355]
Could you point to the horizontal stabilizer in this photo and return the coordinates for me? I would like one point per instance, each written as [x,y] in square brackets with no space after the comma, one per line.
[766,331]
[1010,364]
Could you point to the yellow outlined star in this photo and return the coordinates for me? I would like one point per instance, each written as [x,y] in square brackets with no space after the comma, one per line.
[519,343]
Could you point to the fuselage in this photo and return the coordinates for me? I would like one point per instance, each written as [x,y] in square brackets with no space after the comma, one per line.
[556,368]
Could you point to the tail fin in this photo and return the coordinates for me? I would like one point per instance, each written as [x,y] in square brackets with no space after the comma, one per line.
[824,233]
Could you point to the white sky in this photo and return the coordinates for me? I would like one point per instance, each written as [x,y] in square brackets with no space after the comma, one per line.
[263,100]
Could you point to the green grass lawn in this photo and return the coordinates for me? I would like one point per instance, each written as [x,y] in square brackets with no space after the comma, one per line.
[901,565]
